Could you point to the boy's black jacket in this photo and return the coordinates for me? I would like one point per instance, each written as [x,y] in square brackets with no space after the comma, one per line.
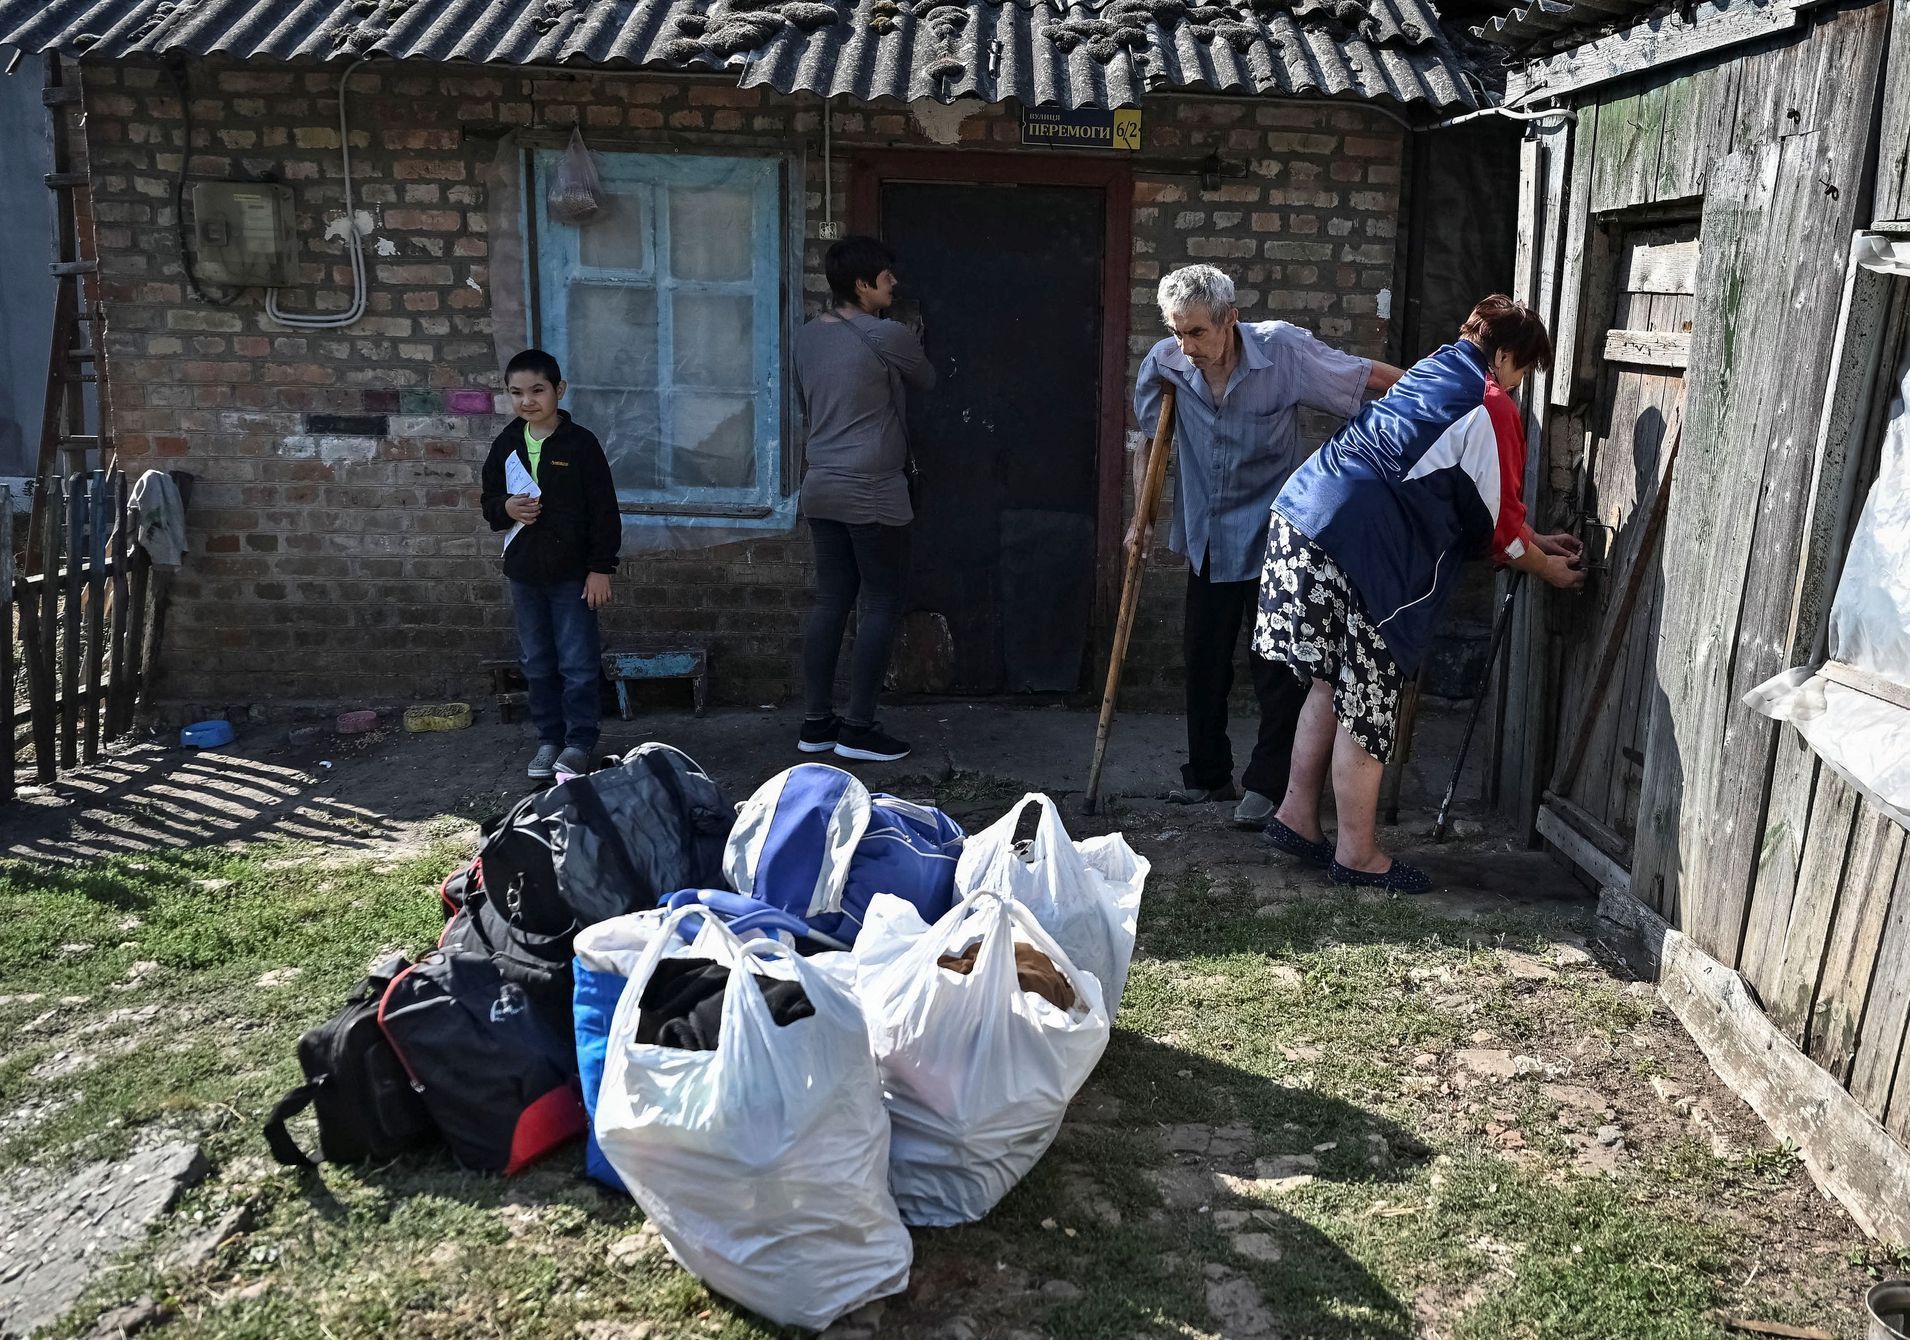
[579,530]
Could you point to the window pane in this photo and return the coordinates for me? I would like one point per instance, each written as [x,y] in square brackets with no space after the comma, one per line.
[613,335]
[615,238]
[627,425]
[714,341]
[713,441]
[710,234]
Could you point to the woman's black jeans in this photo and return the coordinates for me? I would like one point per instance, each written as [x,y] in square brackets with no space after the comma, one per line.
[873,561]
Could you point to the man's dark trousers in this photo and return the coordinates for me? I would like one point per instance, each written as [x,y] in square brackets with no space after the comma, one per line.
[1210,634]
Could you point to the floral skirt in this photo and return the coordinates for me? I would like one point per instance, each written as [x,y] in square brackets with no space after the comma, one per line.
[1312,622]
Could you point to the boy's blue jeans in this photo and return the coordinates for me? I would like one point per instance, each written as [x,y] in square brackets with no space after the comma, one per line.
[558,643]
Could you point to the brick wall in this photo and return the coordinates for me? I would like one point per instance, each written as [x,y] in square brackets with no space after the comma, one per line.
[352,569]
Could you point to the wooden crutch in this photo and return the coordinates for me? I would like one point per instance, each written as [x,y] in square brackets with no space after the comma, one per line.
[1158,455]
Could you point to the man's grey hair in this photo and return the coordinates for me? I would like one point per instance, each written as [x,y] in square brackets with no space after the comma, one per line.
[1196,288]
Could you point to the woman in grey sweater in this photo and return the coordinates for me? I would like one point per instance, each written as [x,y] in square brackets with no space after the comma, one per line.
[852,368]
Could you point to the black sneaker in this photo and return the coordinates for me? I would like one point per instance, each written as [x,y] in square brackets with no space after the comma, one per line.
[868,744]
[819,737]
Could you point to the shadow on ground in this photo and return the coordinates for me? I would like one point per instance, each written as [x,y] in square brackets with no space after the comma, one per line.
[1155,1213]
[149,797]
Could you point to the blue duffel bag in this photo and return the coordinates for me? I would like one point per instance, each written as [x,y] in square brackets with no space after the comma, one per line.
[607,953]
[814,842]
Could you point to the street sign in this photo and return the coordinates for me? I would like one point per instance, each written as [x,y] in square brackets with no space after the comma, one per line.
[1086,128]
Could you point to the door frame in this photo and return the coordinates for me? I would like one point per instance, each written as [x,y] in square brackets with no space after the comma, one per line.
[871,169]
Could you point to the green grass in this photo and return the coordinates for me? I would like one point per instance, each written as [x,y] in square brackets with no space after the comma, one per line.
[1412,1213]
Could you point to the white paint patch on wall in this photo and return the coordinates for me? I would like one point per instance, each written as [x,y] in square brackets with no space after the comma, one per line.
[942,122]
[336,229]
[331,450]
[1383,304]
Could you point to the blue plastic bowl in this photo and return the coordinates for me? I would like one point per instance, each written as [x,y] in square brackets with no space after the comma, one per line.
[206,735]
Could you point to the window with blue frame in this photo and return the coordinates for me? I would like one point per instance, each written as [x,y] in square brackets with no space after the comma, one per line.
[665,309]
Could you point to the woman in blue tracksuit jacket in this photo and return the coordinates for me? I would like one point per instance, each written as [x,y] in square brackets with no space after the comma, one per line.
[1365,549]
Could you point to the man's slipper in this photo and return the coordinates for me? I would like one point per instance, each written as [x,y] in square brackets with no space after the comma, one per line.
[1396,878]
[1281,838]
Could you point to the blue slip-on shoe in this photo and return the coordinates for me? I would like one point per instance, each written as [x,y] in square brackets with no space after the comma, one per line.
[1283,839]
[1396,878]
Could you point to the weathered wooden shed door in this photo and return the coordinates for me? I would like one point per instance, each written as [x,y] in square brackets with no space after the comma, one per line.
[1645,350]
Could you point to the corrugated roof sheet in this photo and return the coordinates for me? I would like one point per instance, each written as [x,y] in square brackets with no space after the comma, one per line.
[1101,54]
[1545,20]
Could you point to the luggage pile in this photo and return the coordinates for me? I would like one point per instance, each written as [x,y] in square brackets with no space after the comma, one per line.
[788,1028]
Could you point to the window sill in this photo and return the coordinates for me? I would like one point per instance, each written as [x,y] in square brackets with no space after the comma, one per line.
[723,511]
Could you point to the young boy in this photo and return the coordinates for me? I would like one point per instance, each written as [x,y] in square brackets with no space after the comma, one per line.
[548,482]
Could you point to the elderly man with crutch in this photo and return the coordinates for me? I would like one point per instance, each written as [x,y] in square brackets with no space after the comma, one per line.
[1239,387]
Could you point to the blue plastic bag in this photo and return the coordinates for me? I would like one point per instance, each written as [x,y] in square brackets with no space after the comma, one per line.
[594,1002]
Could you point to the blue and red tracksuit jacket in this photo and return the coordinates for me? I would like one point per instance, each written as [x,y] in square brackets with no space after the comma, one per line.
[1422,478]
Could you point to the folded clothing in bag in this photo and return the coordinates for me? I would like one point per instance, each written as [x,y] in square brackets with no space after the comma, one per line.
[682,1004]
[607,954]
[1034,971]
[763,1163]
[979,1066]
[1087,895]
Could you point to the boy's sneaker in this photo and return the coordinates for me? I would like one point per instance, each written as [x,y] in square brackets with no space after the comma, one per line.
[572,763]
[819,737]
[543,763]
[868,744]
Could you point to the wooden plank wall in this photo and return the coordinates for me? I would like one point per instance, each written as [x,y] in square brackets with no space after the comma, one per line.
[1524,737]
[1767,859]
[1828,946]
[1892,204]
[1752,136]
[1773,247]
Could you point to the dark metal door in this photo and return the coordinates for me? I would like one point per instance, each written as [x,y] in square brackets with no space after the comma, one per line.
[1008,281]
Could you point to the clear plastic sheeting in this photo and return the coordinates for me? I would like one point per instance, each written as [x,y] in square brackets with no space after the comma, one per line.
[1883,253]
[667,312]
[1864,735]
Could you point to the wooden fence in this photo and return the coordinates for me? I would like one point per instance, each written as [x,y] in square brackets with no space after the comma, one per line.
[83,609]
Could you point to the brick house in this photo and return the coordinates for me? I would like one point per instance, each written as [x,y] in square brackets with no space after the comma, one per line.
[337,554]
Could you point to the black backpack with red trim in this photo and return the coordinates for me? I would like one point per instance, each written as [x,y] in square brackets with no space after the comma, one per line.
[494,1063]
[366,1107]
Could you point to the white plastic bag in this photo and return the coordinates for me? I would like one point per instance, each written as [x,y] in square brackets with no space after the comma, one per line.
[576,192]
[1087,895]
[978,1072]
[764,1163]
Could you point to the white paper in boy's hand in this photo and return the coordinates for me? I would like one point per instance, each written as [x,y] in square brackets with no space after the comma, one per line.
[517,479]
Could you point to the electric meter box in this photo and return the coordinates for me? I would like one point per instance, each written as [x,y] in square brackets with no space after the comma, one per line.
[242,233]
